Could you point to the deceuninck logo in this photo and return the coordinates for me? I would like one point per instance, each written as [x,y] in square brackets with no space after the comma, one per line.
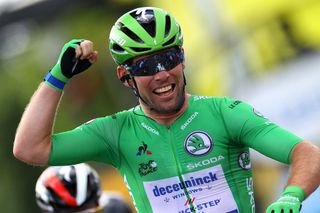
[189,183]
[198,143]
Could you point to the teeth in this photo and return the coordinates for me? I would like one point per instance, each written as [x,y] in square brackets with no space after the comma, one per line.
[163,89]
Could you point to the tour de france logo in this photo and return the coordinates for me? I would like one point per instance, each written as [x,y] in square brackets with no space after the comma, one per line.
[198,143]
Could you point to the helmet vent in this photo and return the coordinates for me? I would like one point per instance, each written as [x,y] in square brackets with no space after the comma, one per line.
[150,28]
[168,26]
[146,19]
[129,33]
[139,49]
[170,41]
[117,48]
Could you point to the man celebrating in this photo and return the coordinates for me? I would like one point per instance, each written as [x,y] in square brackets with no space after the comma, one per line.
[176,152]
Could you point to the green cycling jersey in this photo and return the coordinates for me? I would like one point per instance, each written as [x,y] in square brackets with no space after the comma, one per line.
[200,163]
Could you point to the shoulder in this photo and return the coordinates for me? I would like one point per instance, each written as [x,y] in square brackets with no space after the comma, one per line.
[121,114]
[213,100]
[118,117]
[198,99]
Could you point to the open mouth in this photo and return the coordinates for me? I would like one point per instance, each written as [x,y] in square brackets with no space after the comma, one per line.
[164,90]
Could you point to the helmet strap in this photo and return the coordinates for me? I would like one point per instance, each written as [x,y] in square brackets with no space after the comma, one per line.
[184,79]
[136,91]
[125,78]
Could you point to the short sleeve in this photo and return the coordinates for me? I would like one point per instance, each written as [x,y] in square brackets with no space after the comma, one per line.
[95,140]
[248,127]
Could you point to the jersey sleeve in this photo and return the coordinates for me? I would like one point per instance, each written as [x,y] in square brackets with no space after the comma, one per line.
[249,127]
[95,140]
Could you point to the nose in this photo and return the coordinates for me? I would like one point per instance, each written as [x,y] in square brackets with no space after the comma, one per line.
[162,75]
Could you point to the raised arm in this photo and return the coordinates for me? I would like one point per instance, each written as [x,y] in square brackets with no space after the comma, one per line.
[303,178]
[32,142]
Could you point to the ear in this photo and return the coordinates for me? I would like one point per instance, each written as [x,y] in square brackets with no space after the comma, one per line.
[122,74]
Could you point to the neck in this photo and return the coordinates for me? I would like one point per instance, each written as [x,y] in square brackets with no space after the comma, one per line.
[165,119]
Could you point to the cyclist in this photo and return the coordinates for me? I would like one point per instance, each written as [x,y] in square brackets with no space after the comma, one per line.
[74,189]
[176,152]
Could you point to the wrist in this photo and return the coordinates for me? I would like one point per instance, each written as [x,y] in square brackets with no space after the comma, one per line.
[54,82]
[57,73]
[294,191]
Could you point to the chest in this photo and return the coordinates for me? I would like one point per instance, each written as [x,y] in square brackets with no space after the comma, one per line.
[194,142]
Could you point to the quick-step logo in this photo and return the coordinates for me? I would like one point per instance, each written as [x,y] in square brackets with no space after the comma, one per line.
[201,207]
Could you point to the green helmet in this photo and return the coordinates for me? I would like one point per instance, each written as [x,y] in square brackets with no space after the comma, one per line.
[142,31]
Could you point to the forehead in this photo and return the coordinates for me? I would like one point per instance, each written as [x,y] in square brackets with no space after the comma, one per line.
[150,54]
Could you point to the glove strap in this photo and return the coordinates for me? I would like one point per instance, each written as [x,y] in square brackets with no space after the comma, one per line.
[295,191]
[54,82]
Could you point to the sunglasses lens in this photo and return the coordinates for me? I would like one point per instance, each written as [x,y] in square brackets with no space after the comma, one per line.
[160,62]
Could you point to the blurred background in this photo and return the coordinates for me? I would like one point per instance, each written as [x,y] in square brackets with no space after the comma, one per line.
[262,52]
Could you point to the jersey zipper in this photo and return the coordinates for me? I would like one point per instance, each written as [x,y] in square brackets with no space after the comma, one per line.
[179,169]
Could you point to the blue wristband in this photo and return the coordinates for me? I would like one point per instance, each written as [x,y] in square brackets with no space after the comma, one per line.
[54,81]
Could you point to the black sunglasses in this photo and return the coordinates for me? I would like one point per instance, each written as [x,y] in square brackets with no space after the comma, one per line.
[153,64]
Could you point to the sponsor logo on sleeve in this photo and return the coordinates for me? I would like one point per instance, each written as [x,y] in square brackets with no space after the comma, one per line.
[257,113]
[197,98]
[198,143]
[234,104]
[244,160]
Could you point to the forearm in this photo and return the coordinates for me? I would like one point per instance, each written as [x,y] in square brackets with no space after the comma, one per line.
[305,167]
[303,179]
[33,137]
